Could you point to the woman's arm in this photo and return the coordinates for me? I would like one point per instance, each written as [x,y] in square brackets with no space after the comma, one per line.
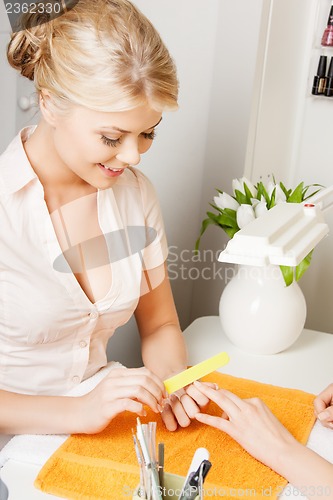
[121,390]
[258,431]
[163,348]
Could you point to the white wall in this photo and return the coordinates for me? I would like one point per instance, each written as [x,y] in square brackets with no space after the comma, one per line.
[291,130]
[177,160]
[230,106]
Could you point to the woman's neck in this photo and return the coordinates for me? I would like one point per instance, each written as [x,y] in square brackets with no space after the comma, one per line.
[60,184]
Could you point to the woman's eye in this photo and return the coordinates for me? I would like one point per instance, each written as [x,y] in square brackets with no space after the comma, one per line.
[110,142]
[150,136]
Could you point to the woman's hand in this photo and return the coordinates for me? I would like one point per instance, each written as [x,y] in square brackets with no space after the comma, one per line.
[182,406]
[323,406]
[250,423]
[123,389]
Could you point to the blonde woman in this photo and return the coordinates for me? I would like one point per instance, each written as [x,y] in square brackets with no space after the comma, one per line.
[82,238]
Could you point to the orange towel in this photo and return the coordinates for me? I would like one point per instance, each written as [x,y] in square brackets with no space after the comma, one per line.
[104,466]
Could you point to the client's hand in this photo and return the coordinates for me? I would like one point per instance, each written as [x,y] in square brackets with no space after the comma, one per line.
[250,423]
[323,406]
[182,406]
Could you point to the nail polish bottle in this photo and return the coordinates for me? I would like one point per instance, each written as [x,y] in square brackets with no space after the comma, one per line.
[319,81]
[327,38]
[329,80]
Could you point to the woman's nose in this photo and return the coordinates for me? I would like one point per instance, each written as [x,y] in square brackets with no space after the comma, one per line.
[129,153]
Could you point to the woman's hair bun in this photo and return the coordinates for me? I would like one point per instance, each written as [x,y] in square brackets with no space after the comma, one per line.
[27,46]
[100,54]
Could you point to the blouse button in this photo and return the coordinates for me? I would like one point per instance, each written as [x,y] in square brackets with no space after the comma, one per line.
[76,379]
[83,343]
[93,314]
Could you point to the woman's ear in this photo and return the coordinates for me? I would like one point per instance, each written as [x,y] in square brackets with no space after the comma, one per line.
[46,107]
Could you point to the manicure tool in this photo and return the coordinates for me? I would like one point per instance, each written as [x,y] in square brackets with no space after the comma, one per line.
[142,487]
[188,376]
[200,455]
[156,490]
[152,442]
[161,463]
[193,487]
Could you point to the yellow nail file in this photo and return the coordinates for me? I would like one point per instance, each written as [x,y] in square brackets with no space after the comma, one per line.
[195,372]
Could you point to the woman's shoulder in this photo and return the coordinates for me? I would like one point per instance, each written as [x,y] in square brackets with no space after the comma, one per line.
[15,169]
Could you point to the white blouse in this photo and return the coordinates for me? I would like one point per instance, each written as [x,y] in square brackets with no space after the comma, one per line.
[51,335]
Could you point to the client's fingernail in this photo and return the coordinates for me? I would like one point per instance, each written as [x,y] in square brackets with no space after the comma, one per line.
[160,408]
[216,387]
[324,415]
[196,382]
[165,401]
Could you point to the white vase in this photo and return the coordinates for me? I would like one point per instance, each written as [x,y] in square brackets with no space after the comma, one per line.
[259,313]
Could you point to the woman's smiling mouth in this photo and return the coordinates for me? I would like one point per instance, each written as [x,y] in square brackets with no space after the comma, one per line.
[110,172]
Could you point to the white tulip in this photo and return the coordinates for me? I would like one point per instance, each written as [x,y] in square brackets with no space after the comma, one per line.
[279,194]
[270,188]
[239,185]
[224,200]
[245,215]
[260,208]
[254,202]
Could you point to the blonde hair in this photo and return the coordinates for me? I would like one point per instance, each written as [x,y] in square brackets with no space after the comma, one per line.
[102,54]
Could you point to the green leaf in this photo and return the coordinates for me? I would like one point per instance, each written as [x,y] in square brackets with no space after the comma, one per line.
[248,194]
[311,194]
[213,217]
[216,207]
[262,192]
[296,195]
[225,220]
[230,212]
[231,231]
[303,265]
[286,191]
[288,274]
[228,218]
[204,225]
[241,197]
[271,203]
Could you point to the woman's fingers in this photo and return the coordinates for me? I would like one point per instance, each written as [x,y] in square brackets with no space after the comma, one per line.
[217,422]
[169,418]
[178,410]
[140,384]
[198,396]
[227,401]
[125,404]
[135,392]
[326,417]
[323,406]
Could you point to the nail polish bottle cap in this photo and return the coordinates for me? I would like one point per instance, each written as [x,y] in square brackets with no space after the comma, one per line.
[322,66]
[330,69]
[330,17]
[329,84]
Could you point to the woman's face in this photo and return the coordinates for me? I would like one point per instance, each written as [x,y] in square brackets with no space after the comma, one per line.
[97,146]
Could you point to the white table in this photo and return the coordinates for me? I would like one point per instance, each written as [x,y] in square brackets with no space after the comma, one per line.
[307,365]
